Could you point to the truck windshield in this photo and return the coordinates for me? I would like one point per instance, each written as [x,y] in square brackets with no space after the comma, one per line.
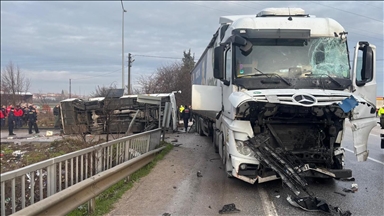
[294,58]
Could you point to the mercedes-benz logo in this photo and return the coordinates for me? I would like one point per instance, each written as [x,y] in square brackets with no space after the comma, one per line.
[304,99]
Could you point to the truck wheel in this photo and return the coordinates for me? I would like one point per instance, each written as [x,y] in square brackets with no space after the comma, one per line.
[214,141]
[200,130]
[224,159]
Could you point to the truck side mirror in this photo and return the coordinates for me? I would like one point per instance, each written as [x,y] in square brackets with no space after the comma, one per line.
[241,42]
[366,72]
[218,66]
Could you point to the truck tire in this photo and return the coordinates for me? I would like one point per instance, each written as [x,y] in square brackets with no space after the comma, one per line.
[224,159]
[214,141]
[200,130]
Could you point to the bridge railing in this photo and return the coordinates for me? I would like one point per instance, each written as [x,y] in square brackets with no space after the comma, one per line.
[25,186]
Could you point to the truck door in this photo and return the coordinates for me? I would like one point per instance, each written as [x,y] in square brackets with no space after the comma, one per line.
[228,88]
[364,76]
[364,85]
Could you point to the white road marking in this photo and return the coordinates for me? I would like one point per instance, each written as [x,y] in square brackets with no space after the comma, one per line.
[369,158]
[268,206]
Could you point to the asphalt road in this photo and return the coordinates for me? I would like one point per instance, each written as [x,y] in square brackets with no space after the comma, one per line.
[173,186]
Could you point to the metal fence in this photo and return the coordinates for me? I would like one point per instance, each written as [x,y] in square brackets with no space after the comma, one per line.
[23,187]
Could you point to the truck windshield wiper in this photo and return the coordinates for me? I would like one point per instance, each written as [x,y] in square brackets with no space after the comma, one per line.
[327,75]
[270,75]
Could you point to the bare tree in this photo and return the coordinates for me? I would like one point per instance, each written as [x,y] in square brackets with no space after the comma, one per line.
[170,78]
[13,84]
[103,91]
[147,84]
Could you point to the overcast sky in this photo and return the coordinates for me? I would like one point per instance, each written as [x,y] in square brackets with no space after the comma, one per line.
[55,41]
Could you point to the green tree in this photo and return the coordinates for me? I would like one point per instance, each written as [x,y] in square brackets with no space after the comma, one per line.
[184,79]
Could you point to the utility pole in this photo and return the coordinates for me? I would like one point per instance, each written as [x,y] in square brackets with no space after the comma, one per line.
[130,61]
[122,46]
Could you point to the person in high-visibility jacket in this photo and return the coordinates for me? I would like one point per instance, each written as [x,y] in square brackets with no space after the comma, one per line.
[181,109]
[381,114]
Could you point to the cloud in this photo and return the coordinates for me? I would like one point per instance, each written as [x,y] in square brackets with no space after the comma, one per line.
[55,41]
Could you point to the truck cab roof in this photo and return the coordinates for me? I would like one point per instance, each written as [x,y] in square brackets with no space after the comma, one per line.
[282,18]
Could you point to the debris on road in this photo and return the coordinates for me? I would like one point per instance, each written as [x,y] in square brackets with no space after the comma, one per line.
[289,172]
[228,209]
[347,179]
[353,188]
[177,145]
[174,140]
[309,203]
[316,204]
[199,174]
[339,193]
[166,214]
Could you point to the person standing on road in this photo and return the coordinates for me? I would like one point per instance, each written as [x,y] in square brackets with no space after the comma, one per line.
[181,109]
[11,121]
[2,116]
[57,114]
[186,114]
[381,114]
[18,112]
[32,120]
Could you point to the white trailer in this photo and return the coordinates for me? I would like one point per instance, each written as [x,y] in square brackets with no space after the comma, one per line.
[278,86]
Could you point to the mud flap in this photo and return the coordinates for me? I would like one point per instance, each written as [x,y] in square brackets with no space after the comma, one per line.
[382,140]
[360,130]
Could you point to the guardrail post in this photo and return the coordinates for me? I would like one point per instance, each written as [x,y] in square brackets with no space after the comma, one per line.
[91,205]
[98,160]
[126,154]
[51,180]
[148,141]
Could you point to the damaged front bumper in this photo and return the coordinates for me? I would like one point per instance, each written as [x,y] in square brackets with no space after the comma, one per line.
[307,171]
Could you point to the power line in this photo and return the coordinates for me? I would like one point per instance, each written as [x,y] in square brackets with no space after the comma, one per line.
[242,5]
[150,56]
[349,12]
[209,7]
[88,77]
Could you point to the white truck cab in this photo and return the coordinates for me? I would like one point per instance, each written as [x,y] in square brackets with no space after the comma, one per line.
[278,86]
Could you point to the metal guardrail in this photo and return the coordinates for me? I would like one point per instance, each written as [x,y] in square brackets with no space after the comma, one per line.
[87,189]
[36,182]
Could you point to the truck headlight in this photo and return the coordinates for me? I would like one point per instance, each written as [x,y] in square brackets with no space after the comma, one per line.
[242,149]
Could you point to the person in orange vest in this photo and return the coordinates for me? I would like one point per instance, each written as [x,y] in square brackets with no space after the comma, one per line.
[2,116]
[8,109]
[18,112]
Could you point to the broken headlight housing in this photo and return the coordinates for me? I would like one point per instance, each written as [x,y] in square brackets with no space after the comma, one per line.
[243,149]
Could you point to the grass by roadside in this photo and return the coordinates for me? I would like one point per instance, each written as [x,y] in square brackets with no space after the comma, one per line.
[105,200]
